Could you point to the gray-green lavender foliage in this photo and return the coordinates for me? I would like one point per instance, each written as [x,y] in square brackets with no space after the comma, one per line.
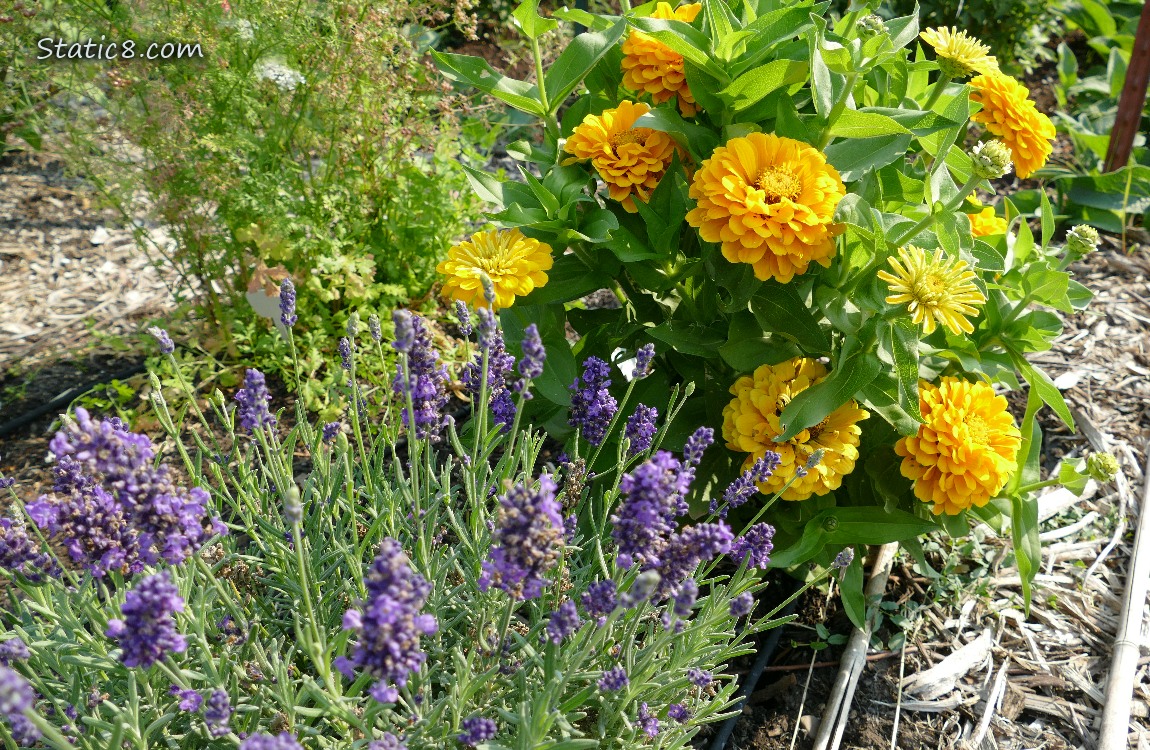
[266,624]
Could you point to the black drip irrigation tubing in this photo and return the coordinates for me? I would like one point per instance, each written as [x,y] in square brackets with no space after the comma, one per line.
[67,397]
[761,661]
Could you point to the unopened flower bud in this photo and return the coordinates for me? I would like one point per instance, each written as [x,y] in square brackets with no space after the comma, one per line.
[641,590]
[293,508]
[1102,467]
[353,325]
[1082,240]
[374,327]
[991,160]
[871,25]
[488,288]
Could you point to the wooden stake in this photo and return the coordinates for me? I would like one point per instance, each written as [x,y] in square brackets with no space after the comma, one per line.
[838,707]
[1124,660]
[1132,99]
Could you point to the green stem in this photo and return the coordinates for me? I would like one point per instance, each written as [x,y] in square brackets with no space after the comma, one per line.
[837,110]
[939,85]
[1038,485]
[966,189]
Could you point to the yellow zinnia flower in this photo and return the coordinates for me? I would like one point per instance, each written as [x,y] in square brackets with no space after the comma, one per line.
[770,201]
[1008,112]
[985,222]
[751,425]
[652,67]
[516,264]
[934,289]
[966,449]
[630,160]
[959,54]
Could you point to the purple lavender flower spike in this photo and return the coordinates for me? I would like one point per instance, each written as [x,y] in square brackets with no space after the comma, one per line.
[344,349]
[686,597]
[189,700]
[564,622]
[148,630]
[463,315]
[844,558]
[600,600]
[678,712]
[20,552]
[6,482]
[640,429]
[742,489]
[387,742]
[534,353]
[253,401]
[282,741]
[389,623]
[218,713]
[111,508]
[477,729]
[688,548]
[647,721]
[331,430]
[699,678]
[652,492]
[17,698]
[163,339]
[754,546]
[742,605]
[423,379]
[374,328]
[527,540]
[641,590]
[486,327]
[614,680]
[643,358]
[287,303]
[499,367]
[13,649]
[592,405]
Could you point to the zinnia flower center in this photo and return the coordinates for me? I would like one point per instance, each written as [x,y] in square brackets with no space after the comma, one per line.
[778,183]
[624,138]
[978,429]
[929,289]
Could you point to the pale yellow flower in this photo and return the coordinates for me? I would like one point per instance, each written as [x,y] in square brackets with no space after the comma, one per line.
[514,263]
[935,290]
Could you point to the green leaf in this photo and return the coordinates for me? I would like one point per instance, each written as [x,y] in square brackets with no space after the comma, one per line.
[699,141]
[476,72]
[576,61]
[529,21]
[779,309]
[854,157]
[683,38]
[1027,546]
[1044,387]
[486,186]
[854,370]
[851,593]
[776,26]
[559,368]
[752,86]
[689,338]
[1072,476]
[748,348]
[904,348]
[1047,221]
[1047,287]
[1126,189]
[570,279]
[822,88]
[881,397]
[853,123]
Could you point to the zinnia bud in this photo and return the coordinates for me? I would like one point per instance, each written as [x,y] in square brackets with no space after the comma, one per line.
[991,160]
[1102,467]
[1082,240]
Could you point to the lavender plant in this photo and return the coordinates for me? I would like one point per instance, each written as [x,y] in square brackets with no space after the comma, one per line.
[396,579]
